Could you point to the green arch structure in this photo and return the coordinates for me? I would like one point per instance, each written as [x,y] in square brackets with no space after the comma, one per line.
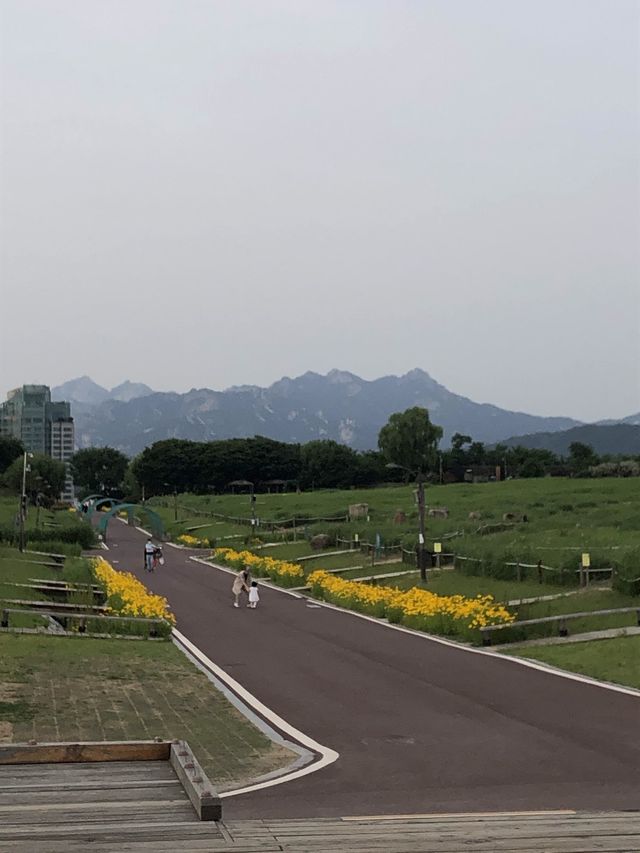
[155,522]
[90,500]
[95,506]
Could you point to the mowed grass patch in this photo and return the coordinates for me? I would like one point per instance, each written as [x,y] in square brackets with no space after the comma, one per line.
[564,516]
[586,601]
[616,660]
[78,689]
[456,583]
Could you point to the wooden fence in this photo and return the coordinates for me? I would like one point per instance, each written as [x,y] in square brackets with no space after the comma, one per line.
[561,620]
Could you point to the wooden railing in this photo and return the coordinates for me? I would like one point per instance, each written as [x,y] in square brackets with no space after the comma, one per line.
[561,620]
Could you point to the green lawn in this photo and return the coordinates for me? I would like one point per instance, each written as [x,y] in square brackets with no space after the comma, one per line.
[456,583]
[565,516]
[21,568]
[616,660]
[70,689]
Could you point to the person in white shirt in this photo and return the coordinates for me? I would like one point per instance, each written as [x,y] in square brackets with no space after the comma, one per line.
[149,551]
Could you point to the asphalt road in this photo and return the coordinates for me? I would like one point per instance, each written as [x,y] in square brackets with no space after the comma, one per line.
[421,727]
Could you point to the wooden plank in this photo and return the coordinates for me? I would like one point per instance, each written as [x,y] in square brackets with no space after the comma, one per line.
[204,797]
[67,584]
[98,794]
[628,844]
[116,830]
[82,615]
[87,751]
[187,845]
[159,769]
[54,607]
[157,785]
[624,824]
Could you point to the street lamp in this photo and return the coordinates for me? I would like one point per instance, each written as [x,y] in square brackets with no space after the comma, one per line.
[23,498]
[253,507]
[419,478]
[175,501]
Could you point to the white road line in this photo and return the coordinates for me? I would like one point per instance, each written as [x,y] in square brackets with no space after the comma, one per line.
[438,816]
[327,756]
[527,662]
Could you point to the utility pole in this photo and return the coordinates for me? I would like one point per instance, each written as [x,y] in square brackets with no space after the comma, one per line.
[421,537]
[23,500]
[421,554]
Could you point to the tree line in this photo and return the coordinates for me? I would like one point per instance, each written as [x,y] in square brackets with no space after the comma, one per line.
[408,445]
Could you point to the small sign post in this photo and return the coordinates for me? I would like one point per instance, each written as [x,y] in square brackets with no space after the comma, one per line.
[437,548]
[584,565]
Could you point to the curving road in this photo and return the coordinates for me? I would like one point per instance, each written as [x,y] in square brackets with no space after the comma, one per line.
[421,727]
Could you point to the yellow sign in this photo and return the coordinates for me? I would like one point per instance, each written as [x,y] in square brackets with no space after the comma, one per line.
[437,547]
[586,561]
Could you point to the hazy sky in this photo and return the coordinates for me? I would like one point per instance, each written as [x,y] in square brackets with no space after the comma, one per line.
[224,192]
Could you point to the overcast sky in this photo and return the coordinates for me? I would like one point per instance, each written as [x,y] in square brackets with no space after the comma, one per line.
[224,192]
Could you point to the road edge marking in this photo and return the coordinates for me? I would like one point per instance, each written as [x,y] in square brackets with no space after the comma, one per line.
[327,756]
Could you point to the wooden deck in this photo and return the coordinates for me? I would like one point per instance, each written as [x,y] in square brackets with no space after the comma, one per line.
[129,806]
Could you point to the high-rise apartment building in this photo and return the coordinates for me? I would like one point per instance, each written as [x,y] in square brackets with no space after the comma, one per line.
[42,426]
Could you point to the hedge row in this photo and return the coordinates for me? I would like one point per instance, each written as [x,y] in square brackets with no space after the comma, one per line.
[76,534]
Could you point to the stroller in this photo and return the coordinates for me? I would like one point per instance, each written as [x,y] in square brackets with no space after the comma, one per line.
[158,558]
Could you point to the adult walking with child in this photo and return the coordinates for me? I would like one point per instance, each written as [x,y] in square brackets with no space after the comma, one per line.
[241,584]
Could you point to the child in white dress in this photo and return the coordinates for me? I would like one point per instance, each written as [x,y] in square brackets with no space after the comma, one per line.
[254,595]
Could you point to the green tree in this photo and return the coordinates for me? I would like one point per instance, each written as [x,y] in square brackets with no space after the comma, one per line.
[99,469]
[581,458]
[167,465]
[411,440]
[327,464]
[45,476]
[10,449]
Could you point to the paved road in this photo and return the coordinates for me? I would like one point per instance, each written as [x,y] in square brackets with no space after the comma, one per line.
[420,727]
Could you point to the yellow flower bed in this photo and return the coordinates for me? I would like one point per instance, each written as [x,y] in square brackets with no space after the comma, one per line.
[127,596]
[416,608]
[280,572]
[192,541]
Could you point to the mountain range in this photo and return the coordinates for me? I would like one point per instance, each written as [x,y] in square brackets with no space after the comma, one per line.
[622,437]
[339,406]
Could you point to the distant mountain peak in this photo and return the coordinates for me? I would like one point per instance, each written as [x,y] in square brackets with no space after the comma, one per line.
[339,405]
[342,376]
[128,390]
[85,391]
[80,390]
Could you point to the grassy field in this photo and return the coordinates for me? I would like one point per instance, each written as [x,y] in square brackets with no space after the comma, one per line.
[616,660]
[45,529]
[563,515]
[23,568]
[68,689]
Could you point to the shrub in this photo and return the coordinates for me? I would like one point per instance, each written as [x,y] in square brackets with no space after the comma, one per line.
[79,534]
[626,577]
[279,571]
[416,608]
